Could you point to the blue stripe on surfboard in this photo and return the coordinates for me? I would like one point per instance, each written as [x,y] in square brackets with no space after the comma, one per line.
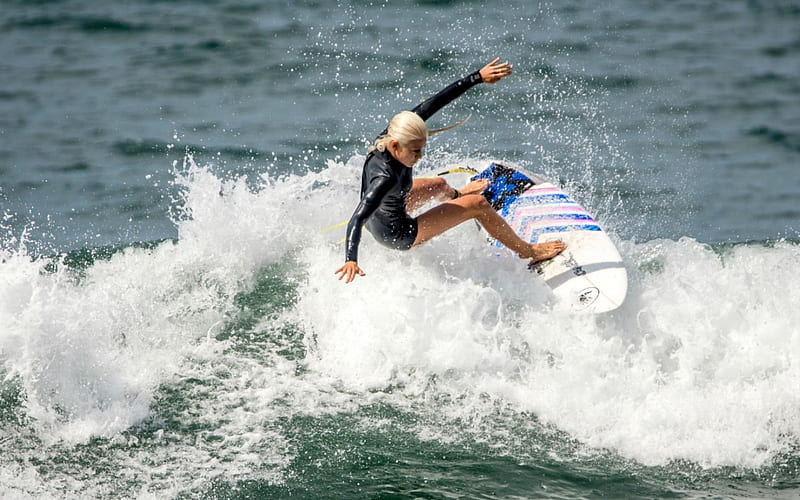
[526,200]
[557,216]
[565,228]
[538,232]
[541,199]
[534,236]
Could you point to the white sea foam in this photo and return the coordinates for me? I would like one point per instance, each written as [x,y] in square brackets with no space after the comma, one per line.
[701,363]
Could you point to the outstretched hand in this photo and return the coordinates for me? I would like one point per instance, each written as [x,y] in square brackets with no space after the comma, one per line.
[349,271]
[495,71]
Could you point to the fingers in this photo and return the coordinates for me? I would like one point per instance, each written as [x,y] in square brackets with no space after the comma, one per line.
[349,271]
[347,274]
[495,70]
[496,64]
[502,69]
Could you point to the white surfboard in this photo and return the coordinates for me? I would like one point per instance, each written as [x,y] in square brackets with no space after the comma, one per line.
[589,275]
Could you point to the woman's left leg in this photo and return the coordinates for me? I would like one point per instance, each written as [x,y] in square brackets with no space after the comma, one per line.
[448,215]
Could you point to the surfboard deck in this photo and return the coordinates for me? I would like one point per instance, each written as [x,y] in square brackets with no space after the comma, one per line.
[589,275]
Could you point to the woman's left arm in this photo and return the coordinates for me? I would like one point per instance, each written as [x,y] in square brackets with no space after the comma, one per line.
[491,73]
[495,71]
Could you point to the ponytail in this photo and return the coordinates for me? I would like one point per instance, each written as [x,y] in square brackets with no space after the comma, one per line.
[407,126]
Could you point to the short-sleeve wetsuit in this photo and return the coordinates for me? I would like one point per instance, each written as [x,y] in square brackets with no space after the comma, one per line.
[385,184]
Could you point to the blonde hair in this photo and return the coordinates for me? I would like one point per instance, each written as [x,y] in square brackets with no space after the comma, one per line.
[406,127]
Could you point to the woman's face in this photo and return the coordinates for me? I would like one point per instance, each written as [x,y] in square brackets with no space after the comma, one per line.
[409,154]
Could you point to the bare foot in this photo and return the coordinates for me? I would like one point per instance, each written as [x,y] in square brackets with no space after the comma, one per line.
[544,251]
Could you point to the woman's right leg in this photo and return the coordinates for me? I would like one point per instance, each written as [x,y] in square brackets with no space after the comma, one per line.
[448,215]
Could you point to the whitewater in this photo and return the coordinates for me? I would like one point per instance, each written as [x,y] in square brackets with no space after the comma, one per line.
[239,324]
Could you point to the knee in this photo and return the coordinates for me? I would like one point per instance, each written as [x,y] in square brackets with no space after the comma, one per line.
[435,187]
[477,203]
[439,186]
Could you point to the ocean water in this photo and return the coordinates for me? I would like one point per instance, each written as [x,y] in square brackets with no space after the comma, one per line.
[171,327]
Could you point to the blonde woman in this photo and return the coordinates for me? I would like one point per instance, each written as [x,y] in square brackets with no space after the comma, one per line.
[388,191]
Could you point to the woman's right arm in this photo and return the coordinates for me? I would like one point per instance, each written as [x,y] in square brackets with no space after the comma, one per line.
[349,271]
[369,203]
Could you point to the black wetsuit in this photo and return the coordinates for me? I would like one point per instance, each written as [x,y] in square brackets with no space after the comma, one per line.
[385,184]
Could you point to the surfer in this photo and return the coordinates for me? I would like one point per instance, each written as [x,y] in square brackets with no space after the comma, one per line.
[389,193]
